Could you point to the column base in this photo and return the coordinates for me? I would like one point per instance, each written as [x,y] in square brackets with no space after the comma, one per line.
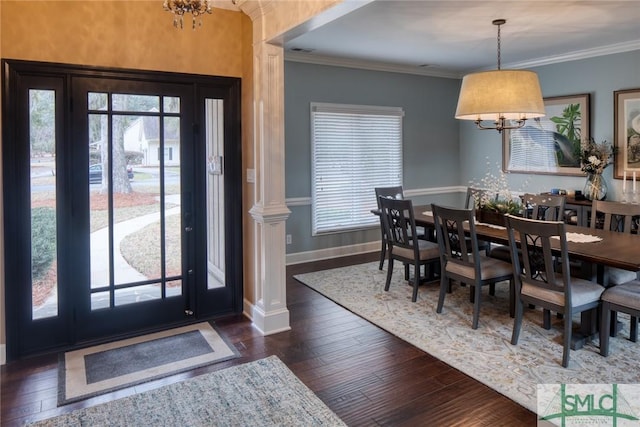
[269,323]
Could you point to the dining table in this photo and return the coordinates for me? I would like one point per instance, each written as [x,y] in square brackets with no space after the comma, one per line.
[600,248]
[612,249]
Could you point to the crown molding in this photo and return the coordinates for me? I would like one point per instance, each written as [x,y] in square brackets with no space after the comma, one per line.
[310,58]
[579,54]
[368,65]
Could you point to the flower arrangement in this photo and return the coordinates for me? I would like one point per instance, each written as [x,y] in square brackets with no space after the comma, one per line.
[503,206]
[595,157]
[498,197]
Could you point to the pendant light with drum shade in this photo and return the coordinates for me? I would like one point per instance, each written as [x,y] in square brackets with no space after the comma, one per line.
[507,98]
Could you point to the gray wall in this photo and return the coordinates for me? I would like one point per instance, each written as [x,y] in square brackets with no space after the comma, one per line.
[439,151]
[430,153]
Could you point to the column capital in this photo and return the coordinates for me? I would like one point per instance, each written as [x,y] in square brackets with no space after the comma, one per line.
[269,214]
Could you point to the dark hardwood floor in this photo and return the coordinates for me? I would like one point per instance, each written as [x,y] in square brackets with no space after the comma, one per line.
[364,374]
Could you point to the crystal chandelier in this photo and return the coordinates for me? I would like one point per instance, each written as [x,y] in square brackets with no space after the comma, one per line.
[194,7]
[506,97]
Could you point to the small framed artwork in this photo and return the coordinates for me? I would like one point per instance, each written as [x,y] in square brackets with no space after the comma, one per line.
[550,144]
[626,132]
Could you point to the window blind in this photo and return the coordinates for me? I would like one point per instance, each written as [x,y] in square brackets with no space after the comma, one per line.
[354,149]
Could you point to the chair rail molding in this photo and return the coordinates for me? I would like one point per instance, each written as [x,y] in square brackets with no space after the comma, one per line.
[434,190]
[416,192]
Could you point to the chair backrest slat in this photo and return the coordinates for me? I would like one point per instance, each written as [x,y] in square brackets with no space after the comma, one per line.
[475,197]
[615,216]
[455,230]
[399,222]
[547,207]
[536,240]
[394,192]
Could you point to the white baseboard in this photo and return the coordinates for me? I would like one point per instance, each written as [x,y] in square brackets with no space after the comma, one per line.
[275,322]
[272,322]
[269,324]
[320,254]
[247,309]
[3,354]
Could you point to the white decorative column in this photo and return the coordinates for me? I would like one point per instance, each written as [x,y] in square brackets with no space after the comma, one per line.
[271,20]
[269,312]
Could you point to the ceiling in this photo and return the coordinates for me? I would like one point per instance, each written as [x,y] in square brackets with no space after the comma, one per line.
[452,38]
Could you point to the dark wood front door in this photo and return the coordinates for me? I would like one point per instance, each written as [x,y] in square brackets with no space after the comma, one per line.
[108,226]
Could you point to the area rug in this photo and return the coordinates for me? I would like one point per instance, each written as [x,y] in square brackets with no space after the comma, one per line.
[260,393]
[486,354]
[100,369]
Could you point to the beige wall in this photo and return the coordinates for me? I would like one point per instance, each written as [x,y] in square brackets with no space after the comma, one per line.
[248,197]
[135,34]
[138,35]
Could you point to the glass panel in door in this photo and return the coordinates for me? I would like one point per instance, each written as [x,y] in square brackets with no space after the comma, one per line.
[172,231]
[42,154]
[214,119]
[135,205]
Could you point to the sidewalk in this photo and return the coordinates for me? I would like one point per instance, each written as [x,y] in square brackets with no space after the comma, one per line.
[124,273]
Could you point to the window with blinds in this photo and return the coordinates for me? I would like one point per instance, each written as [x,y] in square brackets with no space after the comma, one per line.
[354,149]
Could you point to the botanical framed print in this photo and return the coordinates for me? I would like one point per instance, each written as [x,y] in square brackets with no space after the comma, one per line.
[550,144]
[626,132]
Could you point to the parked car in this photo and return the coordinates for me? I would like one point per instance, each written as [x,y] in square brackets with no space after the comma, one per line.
[95,173]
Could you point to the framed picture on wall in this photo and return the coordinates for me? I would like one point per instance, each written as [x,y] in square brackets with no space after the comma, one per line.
[626,132]
[549,144]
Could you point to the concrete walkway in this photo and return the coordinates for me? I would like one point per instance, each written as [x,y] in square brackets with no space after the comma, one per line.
[123,271]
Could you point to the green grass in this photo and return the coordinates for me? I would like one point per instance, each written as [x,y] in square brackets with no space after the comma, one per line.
[100,218]
[141,249]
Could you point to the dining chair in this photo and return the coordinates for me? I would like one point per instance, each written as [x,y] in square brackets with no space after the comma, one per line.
[615,216]
[461,260]
[393,192]
[543,207]
[474,200]
[623,298]
[400,227]
[622,218]
[475,197]
[541,283]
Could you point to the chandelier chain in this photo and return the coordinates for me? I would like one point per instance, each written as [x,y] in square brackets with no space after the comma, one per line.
[499,64]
